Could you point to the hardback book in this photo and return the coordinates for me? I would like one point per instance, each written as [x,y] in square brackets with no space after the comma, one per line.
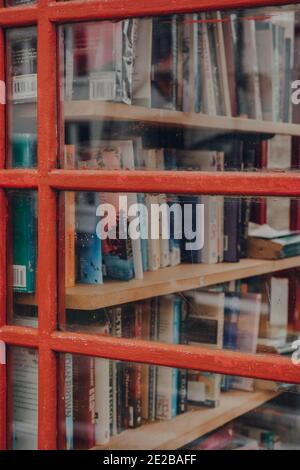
[279,306]
[132,328]
[191,93]
[204,388]
[204,160]
[154,331]
[24,217]
[274,248]
[24,240]
[294,302]
[230,52]
[265,58]
[103,60]
[24,150]
[84,401]
[141,79]
[88,244]
[231,316]
[204,323]
[22,64]
[24,365]
[117,249]
[204,327]
[145,370]
[170,163]
[167,377]
[208,91]
[115,376]
[247,333]
[250,71]
[164,63]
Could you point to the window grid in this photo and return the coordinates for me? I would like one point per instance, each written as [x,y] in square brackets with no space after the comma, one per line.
[47,180]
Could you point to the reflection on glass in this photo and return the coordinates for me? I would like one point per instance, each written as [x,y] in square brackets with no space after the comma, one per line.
[201,272]
[180,63]
[120,405]
[22,97]
[22,257]
[23,395]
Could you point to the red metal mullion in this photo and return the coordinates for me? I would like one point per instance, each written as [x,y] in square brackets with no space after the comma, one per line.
[270,367]
[183,182]
[92,10]
[47,223]
[26,179]
[19,336]
[18,16]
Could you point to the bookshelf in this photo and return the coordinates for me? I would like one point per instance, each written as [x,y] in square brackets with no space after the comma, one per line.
[165,281]
[80,111]
[185,428]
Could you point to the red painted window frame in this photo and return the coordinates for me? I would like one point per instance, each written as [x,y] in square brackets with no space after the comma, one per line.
[47,180]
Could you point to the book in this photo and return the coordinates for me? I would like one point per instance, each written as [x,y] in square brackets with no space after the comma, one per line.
[88,244]
[279,300]
[24,240]
[204,327]
[141,80]
[273,248]
[191,74]
[230,51]
[103,60]
[247,333]
[167,377]
[22,64]
[24,150]
[84,402]
[164,62]
[231,316]
[208,91]
[265,59]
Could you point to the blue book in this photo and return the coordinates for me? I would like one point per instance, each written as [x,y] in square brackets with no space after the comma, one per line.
[231,315]
[167,377]
[88,244]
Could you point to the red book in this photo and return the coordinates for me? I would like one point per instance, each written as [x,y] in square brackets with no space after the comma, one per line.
[84,402]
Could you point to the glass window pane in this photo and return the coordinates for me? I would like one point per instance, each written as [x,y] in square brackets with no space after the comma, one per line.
[22,257]
[22,398]
[116,405]
[170,83]
[21,71]
[202,270]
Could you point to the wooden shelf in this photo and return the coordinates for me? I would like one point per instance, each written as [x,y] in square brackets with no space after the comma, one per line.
[164,281]
[98,110]
[170,435]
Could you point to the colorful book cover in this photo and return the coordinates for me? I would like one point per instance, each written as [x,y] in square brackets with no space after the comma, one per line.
[88,244]
[24,236]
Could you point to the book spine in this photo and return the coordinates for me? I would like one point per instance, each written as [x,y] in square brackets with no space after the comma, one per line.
[102,399]
[24,228]
[84,402]
[154,321]
[208,92]
[68,392]
[87,242]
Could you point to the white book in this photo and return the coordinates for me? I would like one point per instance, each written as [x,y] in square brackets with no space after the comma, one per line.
[102,397]
[208,93]
[142,63]
[222,65]
[247,333]
[279,304]
[162,199]
[25,392]
[250,70]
